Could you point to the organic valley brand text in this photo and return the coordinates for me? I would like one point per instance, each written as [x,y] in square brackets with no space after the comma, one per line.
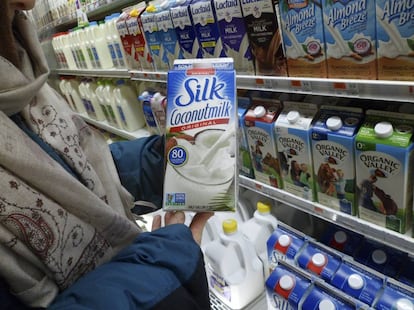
[294,143]
[334,151]
[258,135]
[380,161]
[348,14]
[402,10]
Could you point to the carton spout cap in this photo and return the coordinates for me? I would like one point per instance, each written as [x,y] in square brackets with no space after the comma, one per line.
[383,129]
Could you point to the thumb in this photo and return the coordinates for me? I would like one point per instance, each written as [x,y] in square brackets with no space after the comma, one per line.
[198,223]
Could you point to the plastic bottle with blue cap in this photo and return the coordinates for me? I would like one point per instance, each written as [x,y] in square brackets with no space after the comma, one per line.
[235,273]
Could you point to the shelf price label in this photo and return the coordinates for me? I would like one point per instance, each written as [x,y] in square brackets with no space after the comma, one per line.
[344,88]
[266,83]
[301,86]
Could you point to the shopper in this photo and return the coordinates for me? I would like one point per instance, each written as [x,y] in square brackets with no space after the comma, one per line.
[68,236]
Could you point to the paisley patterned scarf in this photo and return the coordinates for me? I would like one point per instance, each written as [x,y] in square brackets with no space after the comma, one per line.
[53,227]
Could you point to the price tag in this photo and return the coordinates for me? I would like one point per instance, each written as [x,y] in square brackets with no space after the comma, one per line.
[265,83]
[343,88]
[298,85]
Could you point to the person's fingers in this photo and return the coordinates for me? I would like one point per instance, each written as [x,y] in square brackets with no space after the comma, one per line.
[197,224]
[177,217]
[156,222]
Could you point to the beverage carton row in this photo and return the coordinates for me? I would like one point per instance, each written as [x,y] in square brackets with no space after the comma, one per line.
[358,39]
[352,160]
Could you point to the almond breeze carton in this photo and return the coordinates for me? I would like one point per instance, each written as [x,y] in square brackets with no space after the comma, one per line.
[395,39]
[333,138]
[259,124]
[233,35]
[294,147]
[206,27]
[384,165]
[201,142]
[350,38]
[303,38]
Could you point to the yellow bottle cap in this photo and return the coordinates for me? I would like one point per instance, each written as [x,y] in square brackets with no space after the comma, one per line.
[229,226]
[263,207]
[134,13]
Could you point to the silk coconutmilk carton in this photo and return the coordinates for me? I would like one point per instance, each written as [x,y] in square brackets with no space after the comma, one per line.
[201,143]
[333,137]
[264,36]
[350,38]
[384,165]
[302,30]
[259,125]
[294,147]
[395,39]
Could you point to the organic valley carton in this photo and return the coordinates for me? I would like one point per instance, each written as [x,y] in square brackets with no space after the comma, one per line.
[264,36]
[395,39]
[294,147]
[259,123]
[384,164]
[201,143]
[302,30]
[333,137]
[350,38]
[233,35]
[244,160]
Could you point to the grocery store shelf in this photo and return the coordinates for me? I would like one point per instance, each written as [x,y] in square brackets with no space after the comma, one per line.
[403,242]
[143,132]
[112,73]
[364,89]
[149,76]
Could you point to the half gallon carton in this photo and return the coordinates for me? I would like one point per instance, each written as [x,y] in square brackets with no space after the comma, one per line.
[153,37]
[206,27]
[395,39]
[264,36]
[140,51]
[233,35]
[333,137]
[259,123]
[350,38]
[384,165]
[186,35]
[244,158]
[302,30]
[127,40]
[201,143]
[293,127]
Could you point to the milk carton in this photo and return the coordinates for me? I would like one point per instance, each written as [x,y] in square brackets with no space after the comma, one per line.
[140,50]
[168,35]
[201,123]
[244,159]
[341,239]
[153,37]
[259,123]
[294,147]
[350,38]
[206,27]
[127,40]
[384,162]
[333,138]
[285,287]
[395,39]
[303,39]
[186,35]
[233,35]
[395,296]
[264,36]
[358,281]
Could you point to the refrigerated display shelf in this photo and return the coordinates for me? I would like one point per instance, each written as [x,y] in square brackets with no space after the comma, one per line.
[140,133]
[402,242]
[396,91]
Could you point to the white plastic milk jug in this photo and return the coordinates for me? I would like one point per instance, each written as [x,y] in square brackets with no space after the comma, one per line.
[258,229]
[235,273]
[93,100]
[101,100]
[128,106]
[64,89]
[108,93]
[73,89]
[100,44]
